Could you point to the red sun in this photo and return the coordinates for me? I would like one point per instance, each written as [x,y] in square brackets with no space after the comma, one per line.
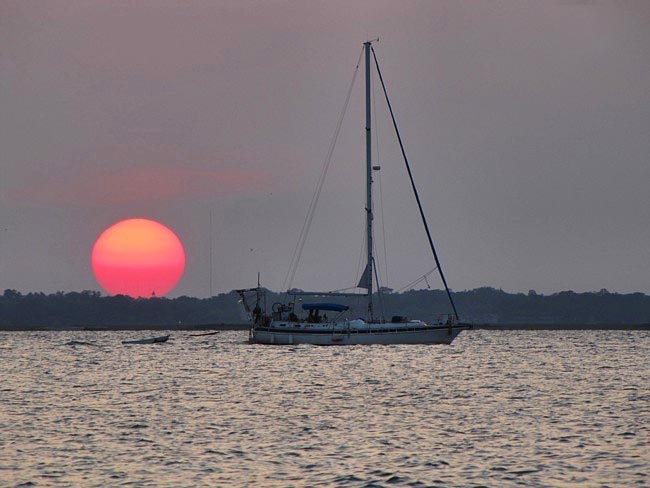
[139,258]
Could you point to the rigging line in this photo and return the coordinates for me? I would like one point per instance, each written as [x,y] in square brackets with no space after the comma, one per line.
[357,278]
[377,273]
[383,227]
[417,280]
[312,210]
[381,190]
[304,231]
[415,191]
[383,297]
[380,295]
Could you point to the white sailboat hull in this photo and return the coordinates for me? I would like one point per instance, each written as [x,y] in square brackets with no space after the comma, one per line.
[337,337]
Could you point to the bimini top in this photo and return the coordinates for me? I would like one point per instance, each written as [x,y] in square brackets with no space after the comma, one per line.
[335,307]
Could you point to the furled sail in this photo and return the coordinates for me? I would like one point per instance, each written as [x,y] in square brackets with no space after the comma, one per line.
[364,282]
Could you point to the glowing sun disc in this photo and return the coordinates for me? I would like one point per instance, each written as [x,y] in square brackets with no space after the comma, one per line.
[139,258]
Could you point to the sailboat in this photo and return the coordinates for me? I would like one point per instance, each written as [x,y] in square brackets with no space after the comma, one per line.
[309,324]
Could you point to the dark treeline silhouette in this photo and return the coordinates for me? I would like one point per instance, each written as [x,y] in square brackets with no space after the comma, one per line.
[90,308]
[479,306]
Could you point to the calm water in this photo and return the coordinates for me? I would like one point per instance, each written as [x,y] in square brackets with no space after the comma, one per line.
[497,408]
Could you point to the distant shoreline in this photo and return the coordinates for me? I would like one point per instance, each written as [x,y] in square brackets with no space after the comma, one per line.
[241,326]
[562,326]
[487,308]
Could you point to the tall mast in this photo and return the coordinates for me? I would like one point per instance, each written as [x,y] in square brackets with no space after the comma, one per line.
[368,270]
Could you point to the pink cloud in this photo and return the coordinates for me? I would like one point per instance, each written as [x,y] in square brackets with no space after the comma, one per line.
[130,185]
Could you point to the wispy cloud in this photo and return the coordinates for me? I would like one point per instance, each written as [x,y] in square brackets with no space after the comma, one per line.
[145,184]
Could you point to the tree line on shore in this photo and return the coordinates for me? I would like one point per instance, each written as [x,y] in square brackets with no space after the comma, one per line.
[481,306]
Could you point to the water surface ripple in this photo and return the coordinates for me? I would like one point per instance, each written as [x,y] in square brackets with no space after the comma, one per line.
[497,408]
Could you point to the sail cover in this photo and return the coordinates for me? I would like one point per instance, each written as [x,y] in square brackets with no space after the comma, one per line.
[334,307]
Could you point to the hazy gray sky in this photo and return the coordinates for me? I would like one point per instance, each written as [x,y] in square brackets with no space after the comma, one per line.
[527,124]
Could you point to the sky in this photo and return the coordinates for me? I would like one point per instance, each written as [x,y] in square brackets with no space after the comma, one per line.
[526,124]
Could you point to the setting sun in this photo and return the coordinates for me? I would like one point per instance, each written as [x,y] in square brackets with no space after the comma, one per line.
[139,258]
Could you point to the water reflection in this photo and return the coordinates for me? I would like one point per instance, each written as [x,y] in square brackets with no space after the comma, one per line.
[497,408]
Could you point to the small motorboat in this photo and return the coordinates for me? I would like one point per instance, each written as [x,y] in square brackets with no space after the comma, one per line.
[149,340]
